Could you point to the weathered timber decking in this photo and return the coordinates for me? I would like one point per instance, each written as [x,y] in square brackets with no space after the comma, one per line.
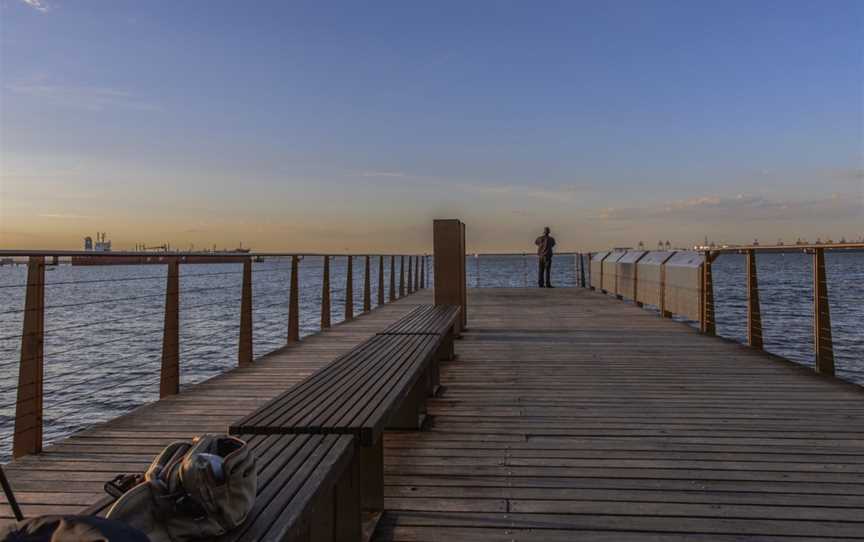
[567,415]
[570,416]
[69,475]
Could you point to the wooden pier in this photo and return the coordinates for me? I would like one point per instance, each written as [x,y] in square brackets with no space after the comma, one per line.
[567,415]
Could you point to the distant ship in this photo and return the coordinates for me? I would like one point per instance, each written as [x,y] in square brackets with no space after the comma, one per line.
[161,255]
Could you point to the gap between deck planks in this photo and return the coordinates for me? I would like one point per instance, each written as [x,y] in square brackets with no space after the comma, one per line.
[70,473]
[568,415]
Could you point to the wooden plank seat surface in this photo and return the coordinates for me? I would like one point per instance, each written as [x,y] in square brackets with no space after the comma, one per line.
[308,489]
[426,319]
[360,393]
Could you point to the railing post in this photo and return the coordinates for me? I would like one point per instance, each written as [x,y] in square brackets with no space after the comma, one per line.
[349,289]
[401,276]
[582,269]
[294,302]
[707,324]
[822,341]
[423,272]
[169,380]
[392,278]
[380,280]
[244,352]
[754,314]
[325,295]
[449,262]
[410,275]
[28,407]
[367,287]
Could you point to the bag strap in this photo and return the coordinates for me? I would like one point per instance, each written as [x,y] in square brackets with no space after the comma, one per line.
[10,496]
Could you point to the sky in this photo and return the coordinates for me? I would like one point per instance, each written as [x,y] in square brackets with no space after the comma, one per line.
[330,126]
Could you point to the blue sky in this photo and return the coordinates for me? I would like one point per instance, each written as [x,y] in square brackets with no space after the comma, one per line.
[334,125]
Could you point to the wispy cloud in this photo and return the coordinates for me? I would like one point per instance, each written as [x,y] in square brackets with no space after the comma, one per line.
[740,207]
[382,174]
[65,216]
[38,5]
[91,98]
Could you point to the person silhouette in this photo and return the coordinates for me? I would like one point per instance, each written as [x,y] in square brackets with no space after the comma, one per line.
[544,243]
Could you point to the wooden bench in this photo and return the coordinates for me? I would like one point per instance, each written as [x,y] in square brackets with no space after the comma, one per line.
[308,489]
[381,384]
[441,320]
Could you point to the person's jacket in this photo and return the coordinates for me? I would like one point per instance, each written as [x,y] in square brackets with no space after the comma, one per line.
[544,245]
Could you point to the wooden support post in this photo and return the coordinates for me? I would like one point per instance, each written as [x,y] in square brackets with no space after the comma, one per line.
[28,407]
[325,295]
[663,312]
[367,287]
[349,289]
[754,314]
[244,352]
[582,269]
[416,273]
[392,278]
[822,341]
[169,381]
[294,302]
[423,272]
[449,262]
[410,271]
[636,280]
[401,276]
[707,324]
[380,280]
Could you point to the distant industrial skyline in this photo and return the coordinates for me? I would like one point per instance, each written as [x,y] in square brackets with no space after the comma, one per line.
[342,126]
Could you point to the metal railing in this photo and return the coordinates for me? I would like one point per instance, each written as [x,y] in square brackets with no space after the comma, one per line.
[520,269]
[211,311]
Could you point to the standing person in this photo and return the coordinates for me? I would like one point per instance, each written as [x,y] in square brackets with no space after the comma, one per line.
[544,254]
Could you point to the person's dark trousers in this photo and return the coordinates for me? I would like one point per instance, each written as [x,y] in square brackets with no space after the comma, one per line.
[544,271]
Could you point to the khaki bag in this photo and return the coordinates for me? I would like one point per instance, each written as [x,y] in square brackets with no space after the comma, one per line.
[187,496]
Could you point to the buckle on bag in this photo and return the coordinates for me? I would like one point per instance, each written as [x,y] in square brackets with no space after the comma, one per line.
[121,483]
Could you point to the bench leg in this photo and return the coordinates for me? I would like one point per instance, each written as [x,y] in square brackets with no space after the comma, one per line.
[321,522]
[433,378]
[371,466]
[413,410]
[347,517]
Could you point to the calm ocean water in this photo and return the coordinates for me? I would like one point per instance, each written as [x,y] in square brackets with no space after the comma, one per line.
[104,324]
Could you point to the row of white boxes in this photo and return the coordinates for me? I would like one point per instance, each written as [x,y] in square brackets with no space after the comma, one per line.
[669,280]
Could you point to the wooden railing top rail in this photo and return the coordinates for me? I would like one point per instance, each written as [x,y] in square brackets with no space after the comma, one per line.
[64,253]
[784,248]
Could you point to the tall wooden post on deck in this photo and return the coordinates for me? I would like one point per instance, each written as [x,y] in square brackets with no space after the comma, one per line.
[582,269]
[401,276]
[822,341]
[449,263]
[244,352]
[380,280]
[325,295]
[28,407]
[392,278]
[754,314]
[416,273]
[169,379]
[410,275]
[294,302]
[707,324]
[423,272]
[349,290]
[367,287]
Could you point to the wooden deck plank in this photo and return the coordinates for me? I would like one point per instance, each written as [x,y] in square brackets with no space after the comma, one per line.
[568,415]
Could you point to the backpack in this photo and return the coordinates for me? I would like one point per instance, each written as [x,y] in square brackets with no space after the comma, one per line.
[192,490]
